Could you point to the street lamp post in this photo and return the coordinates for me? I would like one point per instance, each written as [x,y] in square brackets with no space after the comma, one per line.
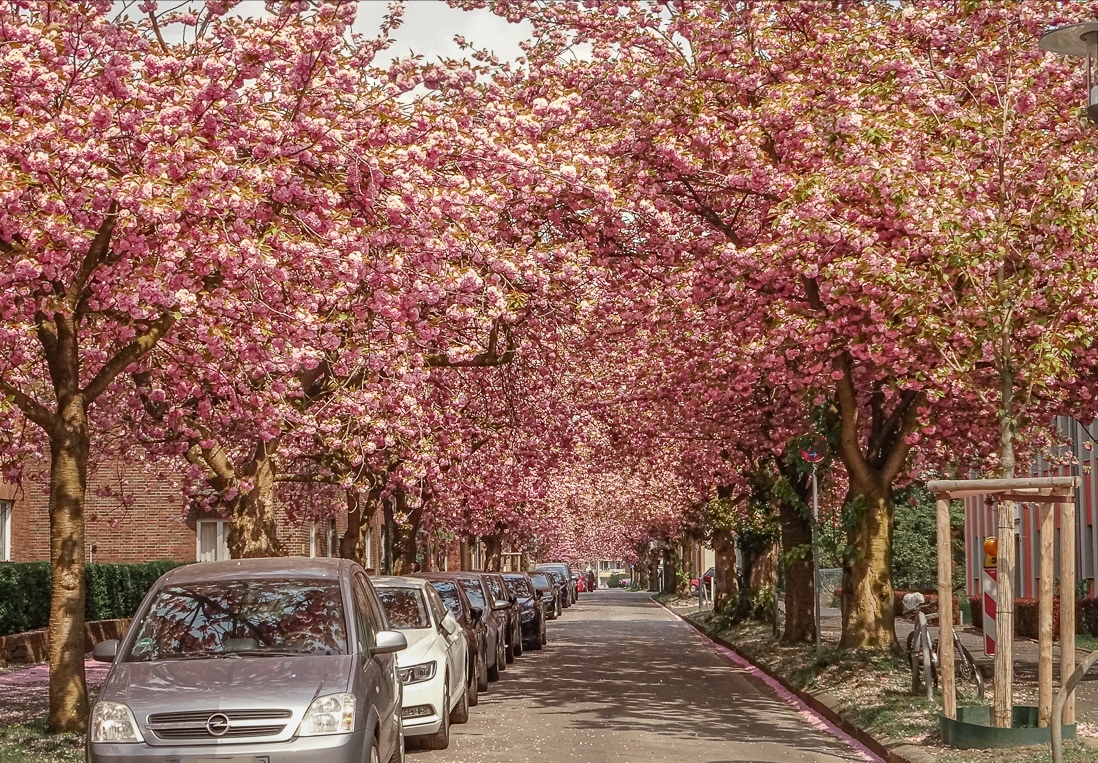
[1078,40]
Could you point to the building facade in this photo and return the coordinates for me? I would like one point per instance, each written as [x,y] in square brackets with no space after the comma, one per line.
[152,523]
[981,519]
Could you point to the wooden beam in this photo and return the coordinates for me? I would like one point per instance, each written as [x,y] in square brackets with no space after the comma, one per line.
[1004,619]
[991,486]
[945,612]
[1030,498]
[1067,603]
[1044,661]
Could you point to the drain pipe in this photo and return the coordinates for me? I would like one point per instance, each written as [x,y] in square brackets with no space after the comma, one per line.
[1061,700]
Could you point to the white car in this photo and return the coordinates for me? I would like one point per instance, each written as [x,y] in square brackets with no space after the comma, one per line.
[433,667]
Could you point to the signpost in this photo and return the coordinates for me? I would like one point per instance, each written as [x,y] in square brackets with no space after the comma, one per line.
[813,456]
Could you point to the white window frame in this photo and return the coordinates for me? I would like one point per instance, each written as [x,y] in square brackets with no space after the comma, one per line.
[7,508]
[221,538]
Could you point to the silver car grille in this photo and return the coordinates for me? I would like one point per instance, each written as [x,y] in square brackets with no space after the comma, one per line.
[211,725]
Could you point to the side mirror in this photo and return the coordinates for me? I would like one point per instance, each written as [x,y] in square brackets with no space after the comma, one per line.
[105,651]
[501,604]
[450,625]
[389,642]
[475,614]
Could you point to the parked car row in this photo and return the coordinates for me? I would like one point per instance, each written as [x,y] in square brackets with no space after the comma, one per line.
[312,660]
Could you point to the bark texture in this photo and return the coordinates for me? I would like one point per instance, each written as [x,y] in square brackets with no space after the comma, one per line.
[68,482]
[724,551]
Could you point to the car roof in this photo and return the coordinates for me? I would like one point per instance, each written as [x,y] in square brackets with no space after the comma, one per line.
[282,567]
[398,581]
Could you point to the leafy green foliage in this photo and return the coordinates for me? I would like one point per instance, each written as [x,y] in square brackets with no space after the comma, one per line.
[914,541]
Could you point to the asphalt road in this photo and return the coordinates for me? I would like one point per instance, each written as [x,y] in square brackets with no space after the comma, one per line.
[622,679]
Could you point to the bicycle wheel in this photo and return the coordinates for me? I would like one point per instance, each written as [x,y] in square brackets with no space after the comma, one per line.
[913,659]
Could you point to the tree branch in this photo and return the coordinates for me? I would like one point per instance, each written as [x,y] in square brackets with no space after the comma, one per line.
[30,407]
[128,355]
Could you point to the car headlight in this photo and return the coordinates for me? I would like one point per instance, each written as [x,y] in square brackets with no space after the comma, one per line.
[414,674]
[330,714]
[113,723]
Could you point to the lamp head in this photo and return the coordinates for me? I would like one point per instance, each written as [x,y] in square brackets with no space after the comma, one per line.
[1078,40]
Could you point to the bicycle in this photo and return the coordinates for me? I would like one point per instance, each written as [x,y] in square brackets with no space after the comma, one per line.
[924,655]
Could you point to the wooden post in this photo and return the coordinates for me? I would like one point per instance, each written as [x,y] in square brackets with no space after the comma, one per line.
[1044,664]
[945,611]
[1067,602]
[1004,620]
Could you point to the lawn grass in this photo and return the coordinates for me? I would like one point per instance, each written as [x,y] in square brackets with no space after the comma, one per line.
[31,743]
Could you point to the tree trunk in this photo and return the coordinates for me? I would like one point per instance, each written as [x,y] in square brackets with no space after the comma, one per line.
[493,548]
[867,615]
[350,545]
[404,536]
[670,581]
[465,550]
[69,446]
[253,531]
[724,551]
[800,583]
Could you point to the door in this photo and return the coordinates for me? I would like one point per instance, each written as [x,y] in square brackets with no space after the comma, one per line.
[456,657]
[379,673]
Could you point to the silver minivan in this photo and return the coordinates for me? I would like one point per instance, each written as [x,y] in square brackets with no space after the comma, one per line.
[286,660]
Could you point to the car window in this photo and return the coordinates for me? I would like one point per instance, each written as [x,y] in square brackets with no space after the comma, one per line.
[496,587]
[369,623]
[448,592]
[541,581]
[437,607]
[404,607]
[475,591]
[518,586]
[235,616]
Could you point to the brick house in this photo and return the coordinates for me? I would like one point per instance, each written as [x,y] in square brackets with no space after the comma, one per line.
[155,526]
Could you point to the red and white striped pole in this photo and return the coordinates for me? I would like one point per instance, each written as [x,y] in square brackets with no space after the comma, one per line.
[989,585]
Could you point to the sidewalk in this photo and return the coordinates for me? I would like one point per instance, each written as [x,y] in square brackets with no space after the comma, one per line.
[24,691]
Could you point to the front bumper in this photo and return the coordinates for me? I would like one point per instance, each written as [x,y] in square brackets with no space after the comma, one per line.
[420,694]
[531,631]
[334,748]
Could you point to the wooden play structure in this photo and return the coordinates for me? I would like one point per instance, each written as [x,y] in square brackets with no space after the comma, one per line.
[1056,498]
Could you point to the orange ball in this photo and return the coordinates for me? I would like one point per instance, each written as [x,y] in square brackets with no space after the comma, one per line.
[991,546]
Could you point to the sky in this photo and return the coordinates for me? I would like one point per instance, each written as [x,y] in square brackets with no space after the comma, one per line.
[430,26]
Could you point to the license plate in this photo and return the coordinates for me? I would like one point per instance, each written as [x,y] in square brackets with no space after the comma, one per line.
[230,759]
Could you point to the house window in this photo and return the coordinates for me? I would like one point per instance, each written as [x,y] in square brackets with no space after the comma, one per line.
[211,540]
[333,538]
[5,530]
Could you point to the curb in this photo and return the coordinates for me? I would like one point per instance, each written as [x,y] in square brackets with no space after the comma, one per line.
[899,753]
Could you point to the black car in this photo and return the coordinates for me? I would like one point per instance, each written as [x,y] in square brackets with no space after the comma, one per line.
[472,622]
[531,607]
[494,617]
[564,586]
[544,582]
[514,626]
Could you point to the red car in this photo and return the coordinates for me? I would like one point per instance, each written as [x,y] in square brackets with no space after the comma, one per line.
[706,578]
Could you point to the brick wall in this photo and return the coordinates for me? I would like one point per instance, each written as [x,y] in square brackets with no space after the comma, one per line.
[152,527]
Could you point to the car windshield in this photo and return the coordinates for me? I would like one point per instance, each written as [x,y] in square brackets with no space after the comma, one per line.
[234,617]
[474,591]
[405,607]
[450,596]
[518,586]
[557,576]
[541,581]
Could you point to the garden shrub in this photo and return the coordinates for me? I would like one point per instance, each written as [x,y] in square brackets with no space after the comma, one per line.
[1027,615]
[113,591]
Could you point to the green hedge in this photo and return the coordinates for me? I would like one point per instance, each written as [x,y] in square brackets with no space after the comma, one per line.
[1027,616]
[114,590]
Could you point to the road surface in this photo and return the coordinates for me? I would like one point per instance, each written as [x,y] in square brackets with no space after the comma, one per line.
[623,679]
